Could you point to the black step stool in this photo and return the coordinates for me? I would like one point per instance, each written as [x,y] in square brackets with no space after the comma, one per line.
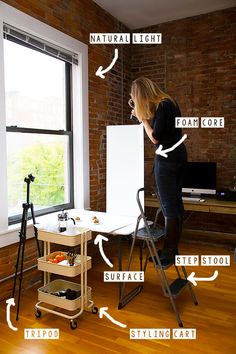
[149,236]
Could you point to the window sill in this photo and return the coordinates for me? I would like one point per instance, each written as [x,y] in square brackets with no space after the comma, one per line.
[11,235]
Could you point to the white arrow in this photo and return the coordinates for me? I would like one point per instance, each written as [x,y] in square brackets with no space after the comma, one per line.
[163,153]
[10,302]
[193,279]
[102,312]
[98,240]
[100,71]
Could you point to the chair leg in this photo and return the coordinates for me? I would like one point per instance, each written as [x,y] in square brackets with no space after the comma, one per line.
[131,253]
[141,256]
[190,287]
[122,288]
[166,286]
[146,261]
[156,261]
[180,323]
[124,299]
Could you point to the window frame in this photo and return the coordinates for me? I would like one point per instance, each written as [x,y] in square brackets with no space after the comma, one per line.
[79,89]
[68,132]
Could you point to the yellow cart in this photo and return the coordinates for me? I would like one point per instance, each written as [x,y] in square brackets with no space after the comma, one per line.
[73,236]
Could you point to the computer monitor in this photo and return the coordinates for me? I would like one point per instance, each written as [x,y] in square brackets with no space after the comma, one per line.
[199,178]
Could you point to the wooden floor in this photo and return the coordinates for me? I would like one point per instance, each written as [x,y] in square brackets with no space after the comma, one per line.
[214,318]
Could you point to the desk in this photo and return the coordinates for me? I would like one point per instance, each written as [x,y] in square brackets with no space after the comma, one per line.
[210,205]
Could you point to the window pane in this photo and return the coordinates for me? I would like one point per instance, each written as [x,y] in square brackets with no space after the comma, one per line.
[35,88]
[46,157]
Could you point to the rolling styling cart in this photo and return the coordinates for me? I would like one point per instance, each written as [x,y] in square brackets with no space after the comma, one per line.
[48,293]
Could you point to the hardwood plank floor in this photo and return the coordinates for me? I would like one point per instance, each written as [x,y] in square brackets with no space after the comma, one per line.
[214,318]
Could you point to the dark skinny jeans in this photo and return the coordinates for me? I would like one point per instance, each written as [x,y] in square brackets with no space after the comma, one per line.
[169,178]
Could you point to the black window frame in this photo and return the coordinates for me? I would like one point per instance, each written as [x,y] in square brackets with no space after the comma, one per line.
[68,132]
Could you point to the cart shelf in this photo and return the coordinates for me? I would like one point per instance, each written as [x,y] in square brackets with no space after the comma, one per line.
[71,237]
[61,269]
[45,294]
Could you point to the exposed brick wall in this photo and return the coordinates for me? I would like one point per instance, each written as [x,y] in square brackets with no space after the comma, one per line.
[106,108]
[8,256]
[196,65]
[78,19]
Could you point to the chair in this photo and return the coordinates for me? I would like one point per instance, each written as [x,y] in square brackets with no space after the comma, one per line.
[149,236]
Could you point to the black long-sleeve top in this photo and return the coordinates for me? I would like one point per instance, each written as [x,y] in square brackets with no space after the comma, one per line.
[164,131]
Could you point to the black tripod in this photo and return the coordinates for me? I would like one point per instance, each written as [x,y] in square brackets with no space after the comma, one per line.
[22,234]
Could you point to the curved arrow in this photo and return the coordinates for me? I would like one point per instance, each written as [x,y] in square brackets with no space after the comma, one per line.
[10,302]
[163,153]
[102,312]
[100,71]
[98,240]
[193,279]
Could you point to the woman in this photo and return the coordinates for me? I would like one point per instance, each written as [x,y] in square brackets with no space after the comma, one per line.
[157,111]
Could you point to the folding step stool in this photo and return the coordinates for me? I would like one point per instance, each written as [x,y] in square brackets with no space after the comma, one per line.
[149,235]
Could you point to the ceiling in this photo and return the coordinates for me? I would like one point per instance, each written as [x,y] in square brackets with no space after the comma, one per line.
[143,13]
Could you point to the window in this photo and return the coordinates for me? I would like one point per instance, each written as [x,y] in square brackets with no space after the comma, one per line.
[39,128]
[73,55]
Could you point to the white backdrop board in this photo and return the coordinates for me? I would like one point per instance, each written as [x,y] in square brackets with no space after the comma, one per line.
[125,168]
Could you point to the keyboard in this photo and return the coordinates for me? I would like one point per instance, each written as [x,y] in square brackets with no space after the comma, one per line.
[192,199]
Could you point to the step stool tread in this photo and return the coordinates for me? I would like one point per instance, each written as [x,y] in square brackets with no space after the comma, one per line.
[164,264]
[156,233]
[178,285]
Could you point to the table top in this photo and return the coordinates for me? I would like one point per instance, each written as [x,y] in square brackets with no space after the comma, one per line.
[108,223]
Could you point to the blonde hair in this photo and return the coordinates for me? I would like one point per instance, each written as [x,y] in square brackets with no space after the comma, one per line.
[146,96]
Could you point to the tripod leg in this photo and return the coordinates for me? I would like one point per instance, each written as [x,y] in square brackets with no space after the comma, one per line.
[24,227]
[16,266]
[19,252]
[35,229]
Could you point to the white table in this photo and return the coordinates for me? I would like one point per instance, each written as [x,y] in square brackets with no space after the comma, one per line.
[108,223]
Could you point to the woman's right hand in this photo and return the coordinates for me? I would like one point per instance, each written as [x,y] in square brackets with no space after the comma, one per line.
[149,131]
[132,105]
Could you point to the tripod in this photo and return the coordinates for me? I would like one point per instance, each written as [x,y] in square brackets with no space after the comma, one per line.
[22,234]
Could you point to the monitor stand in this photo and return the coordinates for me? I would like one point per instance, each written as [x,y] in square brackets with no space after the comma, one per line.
[195,195]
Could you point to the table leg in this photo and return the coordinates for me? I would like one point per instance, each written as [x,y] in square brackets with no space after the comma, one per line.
[119,266]
[124,299]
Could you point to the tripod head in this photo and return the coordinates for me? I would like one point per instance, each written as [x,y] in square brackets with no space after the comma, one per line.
[30,178]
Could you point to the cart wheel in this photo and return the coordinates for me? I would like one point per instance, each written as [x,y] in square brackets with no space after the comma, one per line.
[73,324]
[95,310]
[38,314]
